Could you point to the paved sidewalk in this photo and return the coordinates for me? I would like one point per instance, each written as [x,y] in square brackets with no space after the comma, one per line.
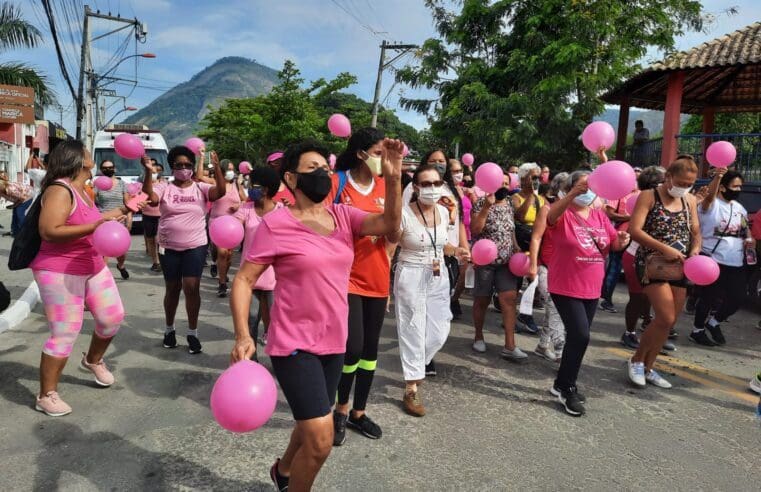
[491,424]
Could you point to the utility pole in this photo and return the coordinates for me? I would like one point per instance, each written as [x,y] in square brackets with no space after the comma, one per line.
[85,57]
[385,45]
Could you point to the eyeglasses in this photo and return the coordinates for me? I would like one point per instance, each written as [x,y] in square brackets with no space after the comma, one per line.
[183,165]
[428,184]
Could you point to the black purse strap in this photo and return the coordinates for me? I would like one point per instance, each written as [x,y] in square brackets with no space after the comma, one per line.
[718,238]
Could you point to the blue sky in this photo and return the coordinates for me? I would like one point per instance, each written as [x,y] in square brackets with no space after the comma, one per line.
[321,37]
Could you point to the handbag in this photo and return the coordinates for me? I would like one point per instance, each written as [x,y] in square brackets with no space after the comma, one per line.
[27,242]
[658,267]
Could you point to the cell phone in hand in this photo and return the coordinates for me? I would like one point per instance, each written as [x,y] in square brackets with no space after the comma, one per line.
[679,246]
[136,200]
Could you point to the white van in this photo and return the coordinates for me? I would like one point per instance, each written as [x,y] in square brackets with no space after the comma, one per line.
[130,170]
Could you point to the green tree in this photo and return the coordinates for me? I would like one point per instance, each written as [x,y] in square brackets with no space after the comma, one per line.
[518,80]
[15,32]
[726,123]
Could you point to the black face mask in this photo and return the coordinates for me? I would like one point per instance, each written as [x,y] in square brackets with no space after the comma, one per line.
[501,194]
[107,172]
[731,194]
[315,185]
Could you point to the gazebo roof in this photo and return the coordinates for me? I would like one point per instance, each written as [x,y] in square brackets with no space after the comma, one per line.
[724,73]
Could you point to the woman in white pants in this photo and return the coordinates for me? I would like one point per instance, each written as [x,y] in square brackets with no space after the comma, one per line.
[552,331]
[421,282]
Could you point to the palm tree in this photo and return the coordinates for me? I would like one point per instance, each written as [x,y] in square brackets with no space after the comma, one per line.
[15,32]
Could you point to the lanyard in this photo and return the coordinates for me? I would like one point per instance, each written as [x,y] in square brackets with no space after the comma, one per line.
[432,238]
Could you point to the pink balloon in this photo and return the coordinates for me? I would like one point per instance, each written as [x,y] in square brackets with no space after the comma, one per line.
[631,202]
[519,264]
[405,151]
[339,125]
[111,239]
[701,270]
[483,252]
[598,134]
[515,182]
[332,161]
[721,154]
[129,146]
[195,144]
[134,188]
[489,177]
[613,180]
[103,183]
[244,167]
[244,397]
[226,231]
[468,159]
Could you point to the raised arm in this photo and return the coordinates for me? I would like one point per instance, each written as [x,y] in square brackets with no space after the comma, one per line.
[153,198]
[559,207]
[713,188]
[221,187]
[387,223]
[478,218]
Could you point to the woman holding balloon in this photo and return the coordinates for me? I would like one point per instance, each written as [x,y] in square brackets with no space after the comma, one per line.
[581,238]
[70,273]
[110,197]
[227,204]
[311,247]
[182,236]
[665,224]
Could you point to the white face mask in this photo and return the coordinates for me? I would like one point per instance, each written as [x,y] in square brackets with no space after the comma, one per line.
[155,176]
[430,195]
[374,163]
[230,175]
[678,192]
[458,177]
[585,199]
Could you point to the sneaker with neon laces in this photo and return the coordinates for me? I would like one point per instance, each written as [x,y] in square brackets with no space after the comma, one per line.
[52,405]
[755,383]
[637,373]
[655,379]
[365,426]
[103,377]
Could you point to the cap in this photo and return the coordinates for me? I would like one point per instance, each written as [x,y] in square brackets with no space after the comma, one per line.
[274,156]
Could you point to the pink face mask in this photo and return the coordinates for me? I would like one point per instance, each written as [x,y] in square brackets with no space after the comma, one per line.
[182,174]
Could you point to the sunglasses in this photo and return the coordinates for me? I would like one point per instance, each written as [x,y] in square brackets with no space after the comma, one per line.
[428,184]
[183,165]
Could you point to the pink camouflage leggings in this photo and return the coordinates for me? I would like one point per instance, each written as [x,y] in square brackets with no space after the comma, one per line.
[64,297]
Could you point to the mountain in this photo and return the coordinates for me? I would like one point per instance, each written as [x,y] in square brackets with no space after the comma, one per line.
[177,112]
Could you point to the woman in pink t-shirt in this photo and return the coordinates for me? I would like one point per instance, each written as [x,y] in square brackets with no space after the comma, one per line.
[182,236]
[311,248]
[581,237]
[264,183]
[71,274]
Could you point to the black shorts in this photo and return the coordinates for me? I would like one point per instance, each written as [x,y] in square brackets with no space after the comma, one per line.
[177,265]
[150,226]
[309,382]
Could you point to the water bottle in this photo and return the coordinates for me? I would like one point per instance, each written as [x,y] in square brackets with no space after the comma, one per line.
[470,277]
[750,254]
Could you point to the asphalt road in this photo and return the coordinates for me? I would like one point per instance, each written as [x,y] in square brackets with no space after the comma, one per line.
[491,424]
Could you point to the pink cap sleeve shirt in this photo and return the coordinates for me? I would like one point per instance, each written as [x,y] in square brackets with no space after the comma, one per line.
[251,220]
[577,267]
[310,312]
[182,225]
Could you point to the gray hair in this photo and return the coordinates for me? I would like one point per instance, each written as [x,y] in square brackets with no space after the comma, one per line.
[650,177]
[526,168]
[573,178]
[557,184]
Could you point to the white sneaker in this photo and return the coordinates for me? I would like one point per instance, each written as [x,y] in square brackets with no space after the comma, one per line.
[546,352]
[755,383]
[637,373]
[516,354]
[479,346]
[654,378]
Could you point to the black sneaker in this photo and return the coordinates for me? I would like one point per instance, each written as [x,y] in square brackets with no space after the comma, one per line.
[608,306]
[556,392]
[668,347]
[281,482]
[367,427]
[213,271]
[524,323]
[456,309]
[673,334]
[339,428]
[194,345]
[124,273]
[222,290]
[170,340]
[430,369]
[156,268]
[630,340]
[716,334]
[571,402]
[701,338]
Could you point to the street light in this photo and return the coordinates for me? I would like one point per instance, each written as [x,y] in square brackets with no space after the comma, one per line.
[98,78]
[128,108]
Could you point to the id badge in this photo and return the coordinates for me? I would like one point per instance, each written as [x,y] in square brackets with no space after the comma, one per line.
[436,267]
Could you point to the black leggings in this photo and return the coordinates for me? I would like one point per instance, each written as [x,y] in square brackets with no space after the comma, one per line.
[723,296]
[577,316]
[365,322]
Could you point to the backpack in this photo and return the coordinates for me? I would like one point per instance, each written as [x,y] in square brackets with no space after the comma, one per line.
[27,242]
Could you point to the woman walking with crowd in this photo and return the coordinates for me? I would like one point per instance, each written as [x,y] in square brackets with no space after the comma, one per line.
[227,204]
[114,197]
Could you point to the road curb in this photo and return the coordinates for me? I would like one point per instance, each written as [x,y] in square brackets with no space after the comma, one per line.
[20,309]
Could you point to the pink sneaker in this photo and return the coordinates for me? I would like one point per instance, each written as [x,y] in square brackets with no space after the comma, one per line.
[52,405]
[103,376]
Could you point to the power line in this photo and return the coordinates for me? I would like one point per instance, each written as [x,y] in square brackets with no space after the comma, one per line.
[54,34]
[359,21]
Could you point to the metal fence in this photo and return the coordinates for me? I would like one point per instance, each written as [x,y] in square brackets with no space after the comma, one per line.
[748,146]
